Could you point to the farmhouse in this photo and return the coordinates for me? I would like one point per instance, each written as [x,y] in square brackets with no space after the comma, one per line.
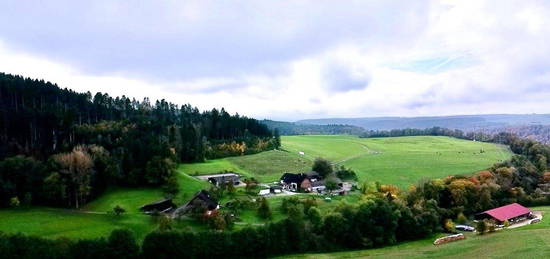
[202,202]
[292,182]
[162,206]
[512,212]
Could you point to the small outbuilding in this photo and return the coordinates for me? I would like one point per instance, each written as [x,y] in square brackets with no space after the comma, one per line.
[221,179]
[512,213]
[162,206]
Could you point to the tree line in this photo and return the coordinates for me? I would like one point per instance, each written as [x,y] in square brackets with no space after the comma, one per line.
[293,128]
[61,147]
[434,131]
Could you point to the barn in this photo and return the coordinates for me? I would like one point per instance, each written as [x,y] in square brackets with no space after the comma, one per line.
[512,212]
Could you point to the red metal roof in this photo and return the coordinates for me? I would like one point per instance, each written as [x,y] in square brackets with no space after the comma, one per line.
[507,212]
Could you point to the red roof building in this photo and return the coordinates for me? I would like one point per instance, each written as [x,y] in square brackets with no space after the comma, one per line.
[511,212]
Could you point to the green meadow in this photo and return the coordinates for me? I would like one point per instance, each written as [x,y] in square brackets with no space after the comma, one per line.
[92,220]
[401,161]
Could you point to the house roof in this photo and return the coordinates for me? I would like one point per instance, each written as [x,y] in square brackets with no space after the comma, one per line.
[507,212]
[206,198]
[292,178]
[161,205]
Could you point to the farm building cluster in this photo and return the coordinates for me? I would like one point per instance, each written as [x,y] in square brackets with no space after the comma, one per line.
[312,182]
[201,201]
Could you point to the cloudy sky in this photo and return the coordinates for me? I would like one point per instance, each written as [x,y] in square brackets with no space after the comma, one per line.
[291,60]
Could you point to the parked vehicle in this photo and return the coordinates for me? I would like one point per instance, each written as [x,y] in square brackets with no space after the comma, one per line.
[464,228]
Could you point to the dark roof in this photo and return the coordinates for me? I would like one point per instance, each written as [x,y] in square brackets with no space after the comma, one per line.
[224,176]
[160,206]
[201,197]
[507,212]
[292,178]
[205,197]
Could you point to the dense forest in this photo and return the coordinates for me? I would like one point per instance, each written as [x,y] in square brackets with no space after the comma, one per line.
[61,147]
[292,128]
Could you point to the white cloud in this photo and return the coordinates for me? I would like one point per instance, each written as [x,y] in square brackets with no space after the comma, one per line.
[451,57]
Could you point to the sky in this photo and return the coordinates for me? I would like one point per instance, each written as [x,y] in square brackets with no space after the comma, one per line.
[291,60]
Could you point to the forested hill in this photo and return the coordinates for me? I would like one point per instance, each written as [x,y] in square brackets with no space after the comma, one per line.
[462,122]
[39,118]
[292,128]
[137,141]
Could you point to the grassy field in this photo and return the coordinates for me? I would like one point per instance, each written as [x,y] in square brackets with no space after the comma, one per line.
[531,241]
[93,220]
[401,161]
[266,166]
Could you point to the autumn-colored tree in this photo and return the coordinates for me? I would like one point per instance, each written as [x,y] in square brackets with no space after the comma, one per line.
[459,189]
[77,167]
[449,226]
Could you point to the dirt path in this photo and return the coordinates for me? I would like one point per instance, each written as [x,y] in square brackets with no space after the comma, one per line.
[369,152]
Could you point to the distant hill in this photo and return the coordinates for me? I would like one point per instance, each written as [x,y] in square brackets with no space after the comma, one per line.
[462,122]
[292,128]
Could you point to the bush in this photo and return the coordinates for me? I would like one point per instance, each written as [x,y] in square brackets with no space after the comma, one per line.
[461,219]
[481,227]
[449,226]
[117,210]
[264,211]
[14,202]
[165,223]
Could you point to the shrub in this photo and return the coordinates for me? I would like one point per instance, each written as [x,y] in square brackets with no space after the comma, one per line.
[449,226]
[264,211]
[165,223]
[14,202]
[461,219]
[117,210]
[481,227]
[506,223]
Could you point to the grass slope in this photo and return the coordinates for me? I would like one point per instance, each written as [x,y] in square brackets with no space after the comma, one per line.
[266,166]
[92,220]
[401,161]
[531,241]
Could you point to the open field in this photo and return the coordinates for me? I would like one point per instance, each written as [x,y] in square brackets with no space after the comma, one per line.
[93,220]
[531,241]
[266,166]
[401,161]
